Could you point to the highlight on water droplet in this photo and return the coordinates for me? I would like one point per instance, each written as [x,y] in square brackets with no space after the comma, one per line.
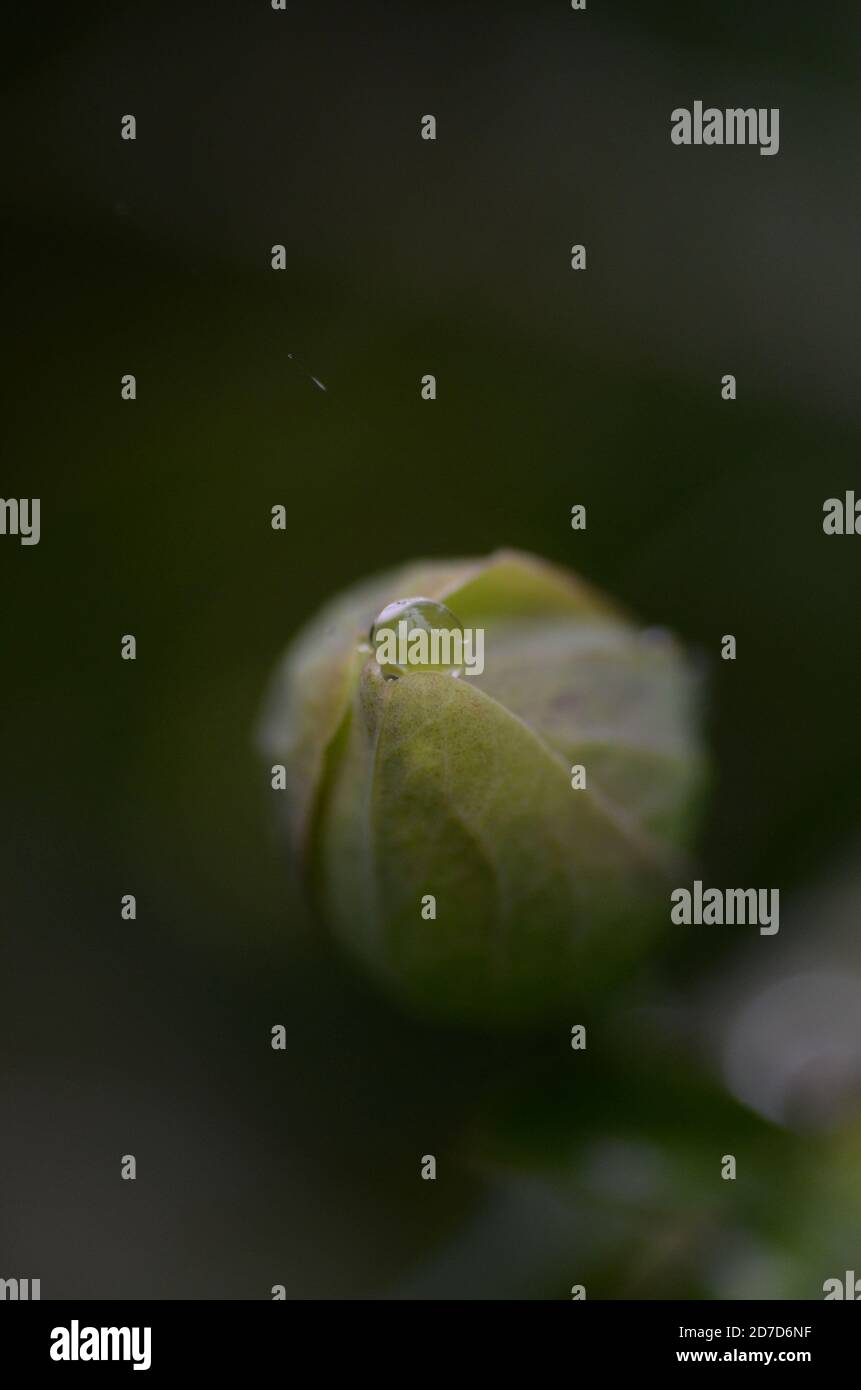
[417,635]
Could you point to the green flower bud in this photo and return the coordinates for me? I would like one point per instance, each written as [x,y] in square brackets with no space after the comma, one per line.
[423,780]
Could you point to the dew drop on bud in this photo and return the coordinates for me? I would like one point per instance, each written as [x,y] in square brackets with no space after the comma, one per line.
[417,634]
[656,637]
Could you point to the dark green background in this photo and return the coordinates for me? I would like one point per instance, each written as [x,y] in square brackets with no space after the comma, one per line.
[404,257]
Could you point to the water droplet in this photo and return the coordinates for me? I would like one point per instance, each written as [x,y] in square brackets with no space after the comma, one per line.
[417,634]
[656,636]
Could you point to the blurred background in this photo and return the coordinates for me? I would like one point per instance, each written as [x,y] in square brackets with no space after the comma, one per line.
[405,257]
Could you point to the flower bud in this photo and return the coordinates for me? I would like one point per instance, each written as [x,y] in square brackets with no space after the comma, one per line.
[418,780]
